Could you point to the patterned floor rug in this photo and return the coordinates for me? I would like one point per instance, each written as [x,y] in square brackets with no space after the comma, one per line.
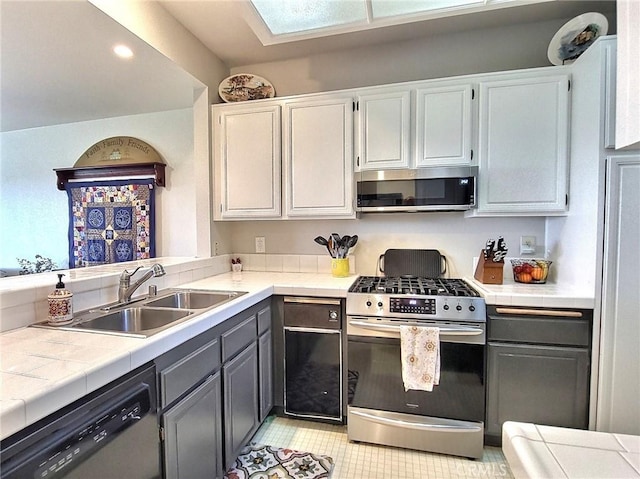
[267,462]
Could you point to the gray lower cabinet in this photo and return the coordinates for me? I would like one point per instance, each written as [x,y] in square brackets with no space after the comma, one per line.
[214,391]
[538,384]
[265,362]
[193,433]
[538,368]
[240,384]
[265,356]
[190,407]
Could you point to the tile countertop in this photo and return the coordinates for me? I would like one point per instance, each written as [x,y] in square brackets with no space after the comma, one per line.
[548,295]
[535,451]
[43,370]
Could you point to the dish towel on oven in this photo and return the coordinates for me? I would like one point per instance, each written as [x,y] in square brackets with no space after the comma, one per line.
[420,350]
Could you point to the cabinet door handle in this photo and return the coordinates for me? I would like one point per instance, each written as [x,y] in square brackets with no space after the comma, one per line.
[539,312]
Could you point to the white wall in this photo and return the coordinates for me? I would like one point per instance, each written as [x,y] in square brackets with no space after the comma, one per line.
[575,240]
[475,51]
[460,239]
[34,213]
[151,22]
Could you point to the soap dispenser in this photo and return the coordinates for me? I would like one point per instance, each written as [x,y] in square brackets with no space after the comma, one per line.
[60,304]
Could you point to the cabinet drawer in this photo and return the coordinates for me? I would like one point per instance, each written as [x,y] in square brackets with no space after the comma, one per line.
[185,373]
[238,337]
[541,328]
[264,320]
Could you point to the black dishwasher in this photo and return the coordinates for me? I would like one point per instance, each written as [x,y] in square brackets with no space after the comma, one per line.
[313,358]
[111,433]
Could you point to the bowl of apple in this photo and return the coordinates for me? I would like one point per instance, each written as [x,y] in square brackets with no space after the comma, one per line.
[532,271]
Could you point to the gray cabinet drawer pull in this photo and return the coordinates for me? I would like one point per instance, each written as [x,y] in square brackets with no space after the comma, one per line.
[539,312]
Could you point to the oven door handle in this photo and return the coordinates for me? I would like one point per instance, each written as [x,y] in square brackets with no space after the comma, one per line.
[423,426]
[449,331]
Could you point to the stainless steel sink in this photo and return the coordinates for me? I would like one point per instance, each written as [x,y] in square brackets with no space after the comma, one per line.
[193,299]
[134,320]
[147,316]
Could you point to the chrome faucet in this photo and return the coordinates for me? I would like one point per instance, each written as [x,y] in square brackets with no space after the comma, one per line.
[126,289]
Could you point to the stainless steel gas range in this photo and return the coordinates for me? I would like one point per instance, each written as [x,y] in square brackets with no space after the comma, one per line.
[449,419]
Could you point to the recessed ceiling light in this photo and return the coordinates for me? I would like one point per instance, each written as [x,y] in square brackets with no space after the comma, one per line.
[123,51]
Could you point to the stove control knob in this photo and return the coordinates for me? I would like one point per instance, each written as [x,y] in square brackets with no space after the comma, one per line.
[368,303]
[472,308]
[380,304]
[446,307]
[458,308]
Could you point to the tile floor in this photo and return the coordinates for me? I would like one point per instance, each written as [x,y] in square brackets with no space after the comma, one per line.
[367,461]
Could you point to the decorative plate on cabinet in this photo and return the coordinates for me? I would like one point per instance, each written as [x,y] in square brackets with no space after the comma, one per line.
[575,36]
[245,86]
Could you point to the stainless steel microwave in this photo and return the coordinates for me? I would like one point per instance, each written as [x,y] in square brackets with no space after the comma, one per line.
[426,189]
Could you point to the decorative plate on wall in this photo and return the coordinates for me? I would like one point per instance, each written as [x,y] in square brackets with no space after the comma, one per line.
[245,86]
[575,36]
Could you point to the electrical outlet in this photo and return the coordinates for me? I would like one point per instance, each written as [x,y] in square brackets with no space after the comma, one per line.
[527,244]
[260,244]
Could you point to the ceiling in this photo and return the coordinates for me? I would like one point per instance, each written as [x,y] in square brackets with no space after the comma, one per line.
[225,27]
[57,66]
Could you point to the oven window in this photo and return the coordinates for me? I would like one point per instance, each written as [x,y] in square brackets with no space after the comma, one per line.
[415,192]
[375,380]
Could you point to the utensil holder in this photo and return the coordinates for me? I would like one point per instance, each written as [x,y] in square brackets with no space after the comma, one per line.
[340,267]
[489,271]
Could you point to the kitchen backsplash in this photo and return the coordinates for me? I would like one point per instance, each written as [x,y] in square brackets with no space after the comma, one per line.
[23,299]
[290,263]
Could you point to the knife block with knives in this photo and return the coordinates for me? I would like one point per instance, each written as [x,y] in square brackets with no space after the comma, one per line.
[489,269]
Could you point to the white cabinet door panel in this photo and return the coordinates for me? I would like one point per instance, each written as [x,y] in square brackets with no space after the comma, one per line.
[318,157]
[249,156]
[384,127]
[618,409]
[524,137]
[444,126]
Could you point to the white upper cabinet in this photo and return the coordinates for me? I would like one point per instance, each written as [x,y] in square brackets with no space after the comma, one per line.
[294,157]
[384,124]
[444,125]
[318,157]
[523,145]
[296,152]
[248,157]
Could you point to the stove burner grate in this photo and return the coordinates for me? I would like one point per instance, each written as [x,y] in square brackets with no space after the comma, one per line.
[412,285]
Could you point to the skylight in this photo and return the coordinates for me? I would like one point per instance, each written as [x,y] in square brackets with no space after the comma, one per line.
[288,20]
[294,16]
